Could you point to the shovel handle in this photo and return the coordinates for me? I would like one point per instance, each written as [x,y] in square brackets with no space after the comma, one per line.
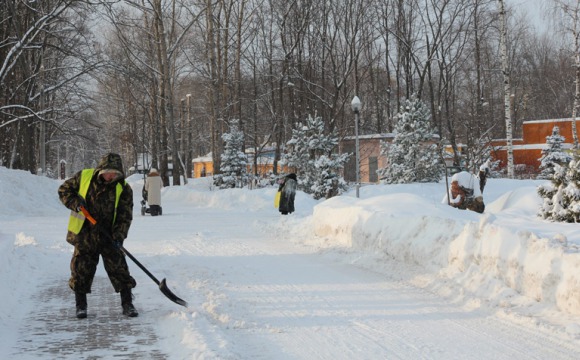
[94,222]
[88,215]
[162,285]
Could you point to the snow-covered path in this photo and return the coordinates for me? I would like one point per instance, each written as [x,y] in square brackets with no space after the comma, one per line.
[259,286]
[268,298]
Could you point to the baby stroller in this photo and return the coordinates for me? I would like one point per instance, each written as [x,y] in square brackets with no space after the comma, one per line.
[154,210]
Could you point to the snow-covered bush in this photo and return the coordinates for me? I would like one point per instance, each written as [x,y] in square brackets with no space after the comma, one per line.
[561,197]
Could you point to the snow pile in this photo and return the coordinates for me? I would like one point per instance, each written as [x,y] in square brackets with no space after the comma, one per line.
[21,193]
[498,256]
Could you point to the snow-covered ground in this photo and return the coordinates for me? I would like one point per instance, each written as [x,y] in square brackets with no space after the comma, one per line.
[396,274]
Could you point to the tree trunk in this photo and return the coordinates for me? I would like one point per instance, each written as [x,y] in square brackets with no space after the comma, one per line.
[577,80]
[507,90]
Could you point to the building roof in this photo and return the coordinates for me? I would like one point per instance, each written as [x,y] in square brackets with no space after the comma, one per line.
[371,136]
[202,159]
[533,146]
[549,120]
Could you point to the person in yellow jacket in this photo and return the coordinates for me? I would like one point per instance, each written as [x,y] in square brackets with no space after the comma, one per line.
[287,190]
[109,199]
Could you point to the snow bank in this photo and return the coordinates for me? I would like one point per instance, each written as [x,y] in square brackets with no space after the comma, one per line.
[24,194]
[505,252]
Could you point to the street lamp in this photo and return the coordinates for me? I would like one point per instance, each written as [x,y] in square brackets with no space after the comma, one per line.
[355,105]
[188,154]
[42,134]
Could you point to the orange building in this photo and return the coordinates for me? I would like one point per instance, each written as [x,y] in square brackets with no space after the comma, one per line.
[370,158]
[203,165]
[528,149]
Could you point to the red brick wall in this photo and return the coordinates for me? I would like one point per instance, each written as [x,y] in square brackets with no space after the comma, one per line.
[534,138]
[536,132]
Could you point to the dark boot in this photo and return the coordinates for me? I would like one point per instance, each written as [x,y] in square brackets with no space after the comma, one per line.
[81,303]
[127,303]
[155,210]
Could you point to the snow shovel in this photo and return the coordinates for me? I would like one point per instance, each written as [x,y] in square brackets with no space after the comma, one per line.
[162,285]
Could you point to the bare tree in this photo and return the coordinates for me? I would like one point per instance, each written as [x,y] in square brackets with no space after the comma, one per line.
[268,64]
[571,12]
[46,51]
[151,35]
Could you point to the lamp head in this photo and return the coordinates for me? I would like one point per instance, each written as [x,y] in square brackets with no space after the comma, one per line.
[355,104]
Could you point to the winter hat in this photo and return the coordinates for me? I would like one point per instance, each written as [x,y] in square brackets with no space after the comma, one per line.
[153,170]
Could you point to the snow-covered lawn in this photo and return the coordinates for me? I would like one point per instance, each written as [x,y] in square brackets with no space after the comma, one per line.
[396,274]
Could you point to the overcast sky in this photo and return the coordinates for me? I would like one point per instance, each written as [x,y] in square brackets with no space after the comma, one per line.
[537,11]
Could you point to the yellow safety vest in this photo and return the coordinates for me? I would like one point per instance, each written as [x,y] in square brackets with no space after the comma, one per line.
[77,219]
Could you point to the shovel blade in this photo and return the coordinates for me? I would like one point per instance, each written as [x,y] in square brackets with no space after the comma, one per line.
[171,296]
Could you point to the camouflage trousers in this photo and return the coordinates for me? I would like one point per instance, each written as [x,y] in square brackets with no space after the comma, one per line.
[84,265]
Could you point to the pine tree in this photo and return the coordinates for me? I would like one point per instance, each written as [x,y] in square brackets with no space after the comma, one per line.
[234,161]
[553,154]
[310,151]
[412,156]
[561,197]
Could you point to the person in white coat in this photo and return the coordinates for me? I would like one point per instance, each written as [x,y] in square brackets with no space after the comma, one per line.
[153,185]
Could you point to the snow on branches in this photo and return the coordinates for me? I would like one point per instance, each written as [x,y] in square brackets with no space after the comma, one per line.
[311,152]
[413,155]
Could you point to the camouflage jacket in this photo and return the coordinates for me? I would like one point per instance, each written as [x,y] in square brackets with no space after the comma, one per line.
[100,202]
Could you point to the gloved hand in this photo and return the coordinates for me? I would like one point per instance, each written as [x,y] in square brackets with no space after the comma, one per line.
[75,203]
[80,202]
[117,242]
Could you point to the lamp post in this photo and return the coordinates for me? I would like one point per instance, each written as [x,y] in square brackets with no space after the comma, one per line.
[188,153]
[183,146]
[42,135]
[355,105]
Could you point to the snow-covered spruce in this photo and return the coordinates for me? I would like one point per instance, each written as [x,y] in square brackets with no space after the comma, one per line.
[413,155]
[311,152]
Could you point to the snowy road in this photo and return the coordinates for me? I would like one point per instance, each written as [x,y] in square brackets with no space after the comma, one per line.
[259,286]
[269,298]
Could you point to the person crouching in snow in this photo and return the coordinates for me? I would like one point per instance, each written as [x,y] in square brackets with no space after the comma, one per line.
[288,193]
[465,192]
[153,185]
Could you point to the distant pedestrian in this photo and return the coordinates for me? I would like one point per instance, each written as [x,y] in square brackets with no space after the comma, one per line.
[287,191]
[105,194]
[152,186]
[483,174]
